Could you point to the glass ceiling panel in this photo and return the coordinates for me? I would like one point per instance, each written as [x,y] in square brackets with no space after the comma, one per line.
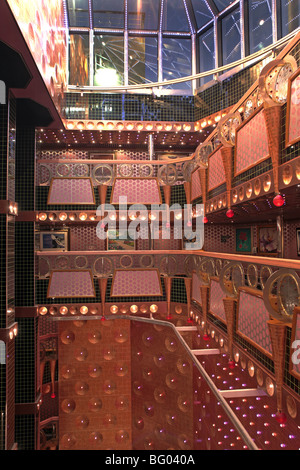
[108,60]
[290,12]
[79,59]
[231,37]
[222,4]
[78,13]
[202,13]
[143,14]
[142,60]
[206,54]
[108,14]
[177,61]
[175,17]
[260,24]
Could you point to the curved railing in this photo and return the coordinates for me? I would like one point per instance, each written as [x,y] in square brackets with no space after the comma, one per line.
[276,279]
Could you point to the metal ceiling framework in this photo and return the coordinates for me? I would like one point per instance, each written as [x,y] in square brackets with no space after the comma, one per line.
[191,8]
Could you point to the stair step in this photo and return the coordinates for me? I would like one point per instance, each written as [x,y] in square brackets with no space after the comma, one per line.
[205,352]
[186,328]
[243,392]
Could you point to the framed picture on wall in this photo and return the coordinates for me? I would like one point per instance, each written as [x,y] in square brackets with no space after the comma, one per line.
[267,240]
[118,241]
[298,240]
[243,240]
[54,240]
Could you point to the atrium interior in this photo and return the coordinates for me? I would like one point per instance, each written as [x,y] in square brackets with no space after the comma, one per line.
[150,227]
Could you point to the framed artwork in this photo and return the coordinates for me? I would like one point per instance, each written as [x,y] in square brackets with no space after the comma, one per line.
[298,240]
[294,366]
[243,240]
[54,240]
[119,241]
[293,110]
[267,240]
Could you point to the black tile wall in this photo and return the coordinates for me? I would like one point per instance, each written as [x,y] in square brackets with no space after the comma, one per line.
[25,168]
[24,264]
[25,376]
[3,273]
[3,150]
[128,107]
[178,291]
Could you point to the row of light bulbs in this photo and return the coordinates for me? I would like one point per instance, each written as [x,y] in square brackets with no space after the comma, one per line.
[84,310]
[129,126]
[83,216]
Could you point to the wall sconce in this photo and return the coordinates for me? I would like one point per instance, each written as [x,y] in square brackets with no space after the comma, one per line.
[13,208]
[43,310]
[63,310]
[42,217]
[134,308]
[63,216]
[83,216]
[153,308]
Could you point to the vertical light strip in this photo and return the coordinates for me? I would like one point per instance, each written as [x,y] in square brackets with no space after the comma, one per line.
[66,20]
[218,62]
[192,29]
[91,43]
[242,28]
[91,14]
[274,21]
[126,44]
[194,61]
[66,13]
[160,65]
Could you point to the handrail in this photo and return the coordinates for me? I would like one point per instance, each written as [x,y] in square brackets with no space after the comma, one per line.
[116,162]
[231,415]
[261,260]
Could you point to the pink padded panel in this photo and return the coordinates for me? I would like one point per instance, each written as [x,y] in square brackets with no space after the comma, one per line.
[135,283]
[195,185]
[71,191]
[196,294]
[71,284]
[294,111]
[251,143]
[252,320]
[216,300]
[137,191]
[216,172]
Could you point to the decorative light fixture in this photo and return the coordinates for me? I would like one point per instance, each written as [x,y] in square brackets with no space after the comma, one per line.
[63,216]
[63,310]
[43,311]
[205,219]
[280,417]
[230,213]
[278,200]
[153,308]
[134,308]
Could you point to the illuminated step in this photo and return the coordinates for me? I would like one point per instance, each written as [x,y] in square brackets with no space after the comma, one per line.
[205,352]
[186,328]
[243,392]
